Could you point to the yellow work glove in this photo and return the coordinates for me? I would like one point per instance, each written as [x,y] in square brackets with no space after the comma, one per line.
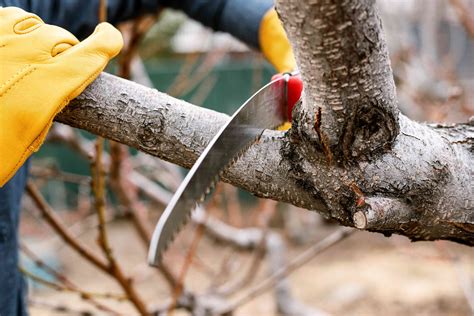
[274,44]
[42,67]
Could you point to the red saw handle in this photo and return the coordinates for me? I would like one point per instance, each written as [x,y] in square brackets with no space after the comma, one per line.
[294,87]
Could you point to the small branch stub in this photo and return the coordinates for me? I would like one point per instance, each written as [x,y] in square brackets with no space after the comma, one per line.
[360,220]
[383,213]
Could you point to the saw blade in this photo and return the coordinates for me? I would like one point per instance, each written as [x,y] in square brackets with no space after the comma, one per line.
[264,110]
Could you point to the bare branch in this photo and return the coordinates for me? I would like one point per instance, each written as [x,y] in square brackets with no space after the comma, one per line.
[465,17]
[57,307]
[284,271]
[289,169]
[90,297]
[55,222]
[274,248]
[66,288]
[177,131]
[384,162]
[109,267]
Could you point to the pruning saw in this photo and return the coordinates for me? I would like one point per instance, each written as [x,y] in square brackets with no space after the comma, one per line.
[266,109]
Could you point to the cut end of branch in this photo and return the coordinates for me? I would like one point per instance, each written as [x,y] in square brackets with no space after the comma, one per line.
[360,220]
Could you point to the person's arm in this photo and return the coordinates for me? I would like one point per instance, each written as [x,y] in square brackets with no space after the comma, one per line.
[81,16]
[255,22]
[241,18]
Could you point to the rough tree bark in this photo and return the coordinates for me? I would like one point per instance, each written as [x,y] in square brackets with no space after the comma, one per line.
[350,154]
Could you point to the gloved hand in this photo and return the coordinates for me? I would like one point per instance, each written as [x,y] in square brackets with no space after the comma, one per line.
[274,44]
[277,49]
[42,67]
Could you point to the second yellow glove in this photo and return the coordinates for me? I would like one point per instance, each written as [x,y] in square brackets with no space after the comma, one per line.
[42,68]
[274,44]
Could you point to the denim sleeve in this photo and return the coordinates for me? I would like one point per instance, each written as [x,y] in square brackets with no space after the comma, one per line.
[241,18]
[81,16]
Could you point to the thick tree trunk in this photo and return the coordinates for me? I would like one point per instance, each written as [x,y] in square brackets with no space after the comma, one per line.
[404,177]
[349,93]
[350,155]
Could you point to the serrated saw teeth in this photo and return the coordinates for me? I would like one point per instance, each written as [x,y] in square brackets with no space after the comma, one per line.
[228,145]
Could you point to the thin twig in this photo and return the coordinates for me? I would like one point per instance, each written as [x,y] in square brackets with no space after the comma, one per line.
[62,278]
[152,190]
[53,219]
[267,210]
[103,10]
[298,262]
[464,16]
[65,288]
[53,172]
[183,75]
[187,80]
[133,35]
[250,238]
[225,271]
[98,189]
[57,308]
[114,271]
[178,291]
[204,90]
[232,205]
[121,168]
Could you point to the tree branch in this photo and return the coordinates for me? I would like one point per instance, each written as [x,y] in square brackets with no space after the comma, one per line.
[349,100]
[176,131]
[53,219]
[389,174]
